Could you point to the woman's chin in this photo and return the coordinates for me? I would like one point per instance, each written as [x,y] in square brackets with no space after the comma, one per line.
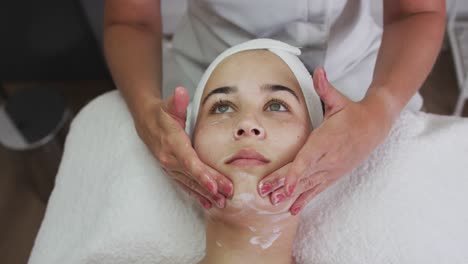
[247,209]
[247,205]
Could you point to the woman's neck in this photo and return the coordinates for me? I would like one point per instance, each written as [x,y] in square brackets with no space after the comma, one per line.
[265,239]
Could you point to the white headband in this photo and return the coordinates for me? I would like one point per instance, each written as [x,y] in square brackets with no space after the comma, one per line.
[288,54]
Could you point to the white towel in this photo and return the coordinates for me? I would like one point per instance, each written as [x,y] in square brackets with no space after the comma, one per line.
[406,204]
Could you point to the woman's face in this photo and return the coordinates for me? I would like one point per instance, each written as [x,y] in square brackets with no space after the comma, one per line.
[252,121]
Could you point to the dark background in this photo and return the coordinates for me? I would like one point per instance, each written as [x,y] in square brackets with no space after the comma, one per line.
[47,40]
[44,44]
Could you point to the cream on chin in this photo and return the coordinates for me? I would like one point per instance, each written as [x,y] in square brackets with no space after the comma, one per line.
[247,206]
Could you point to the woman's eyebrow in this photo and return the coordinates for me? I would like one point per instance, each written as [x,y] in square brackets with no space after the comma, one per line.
[223,89]
[278,87]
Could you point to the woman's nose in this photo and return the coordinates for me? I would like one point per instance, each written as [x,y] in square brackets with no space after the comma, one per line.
[249,128]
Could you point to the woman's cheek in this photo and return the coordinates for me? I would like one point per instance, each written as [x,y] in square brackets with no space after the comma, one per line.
[292,138]
[208,142]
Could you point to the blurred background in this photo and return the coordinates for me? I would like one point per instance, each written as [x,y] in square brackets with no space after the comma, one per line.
[51,65]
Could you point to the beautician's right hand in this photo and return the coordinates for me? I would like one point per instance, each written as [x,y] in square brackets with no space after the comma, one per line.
[162,128]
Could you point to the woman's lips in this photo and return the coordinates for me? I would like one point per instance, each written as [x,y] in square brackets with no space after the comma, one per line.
[247,157]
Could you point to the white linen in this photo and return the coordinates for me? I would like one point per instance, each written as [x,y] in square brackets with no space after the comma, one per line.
[405,204]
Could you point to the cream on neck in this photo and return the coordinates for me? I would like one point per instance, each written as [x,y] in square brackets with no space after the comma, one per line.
[264,243]
[249,230]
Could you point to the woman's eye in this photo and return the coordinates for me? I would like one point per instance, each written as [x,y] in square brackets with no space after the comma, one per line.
[221,109]
[277,107]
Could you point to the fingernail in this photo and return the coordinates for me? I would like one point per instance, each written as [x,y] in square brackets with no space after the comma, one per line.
[295,210]
[291,189]
[265,189]
[219,201]
[281,182]
[205,204]
[278,198]
[211,187]
[227,188]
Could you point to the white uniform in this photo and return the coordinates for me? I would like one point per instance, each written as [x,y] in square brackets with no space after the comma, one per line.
[341,35]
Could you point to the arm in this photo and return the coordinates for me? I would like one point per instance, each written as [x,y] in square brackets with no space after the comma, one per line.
[132,46]
[412,36]
[413,30]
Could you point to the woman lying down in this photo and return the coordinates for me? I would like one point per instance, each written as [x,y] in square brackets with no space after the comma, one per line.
[405,204]
[250,116]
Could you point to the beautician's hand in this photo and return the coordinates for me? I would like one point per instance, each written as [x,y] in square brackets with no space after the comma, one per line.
[163,131]
[349,133]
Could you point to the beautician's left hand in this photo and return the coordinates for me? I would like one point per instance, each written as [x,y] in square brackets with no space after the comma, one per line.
[349,133]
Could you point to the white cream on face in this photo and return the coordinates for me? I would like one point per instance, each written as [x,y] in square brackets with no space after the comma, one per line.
[247,212]
[266,241]
[246,197]
[280,217]
[246,202]
[245,205]
[238,201]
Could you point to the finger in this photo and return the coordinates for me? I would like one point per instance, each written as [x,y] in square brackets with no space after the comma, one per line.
[278,196]
[191,165]
[304,184]
[306,197]
[188,163]
[307,161]
[302,164]
[309,182]
[177,105]
[168,161]
[224,184]
[205,203]
[273,181]
[193,186]
[334,101]
[209,178]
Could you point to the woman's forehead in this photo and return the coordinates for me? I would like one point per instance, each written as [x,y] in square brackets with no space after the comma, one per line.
[255,68]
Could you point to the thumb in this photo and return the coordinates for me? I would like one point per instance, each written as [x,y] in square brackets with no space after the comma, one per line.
[178,103]
[333,100]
